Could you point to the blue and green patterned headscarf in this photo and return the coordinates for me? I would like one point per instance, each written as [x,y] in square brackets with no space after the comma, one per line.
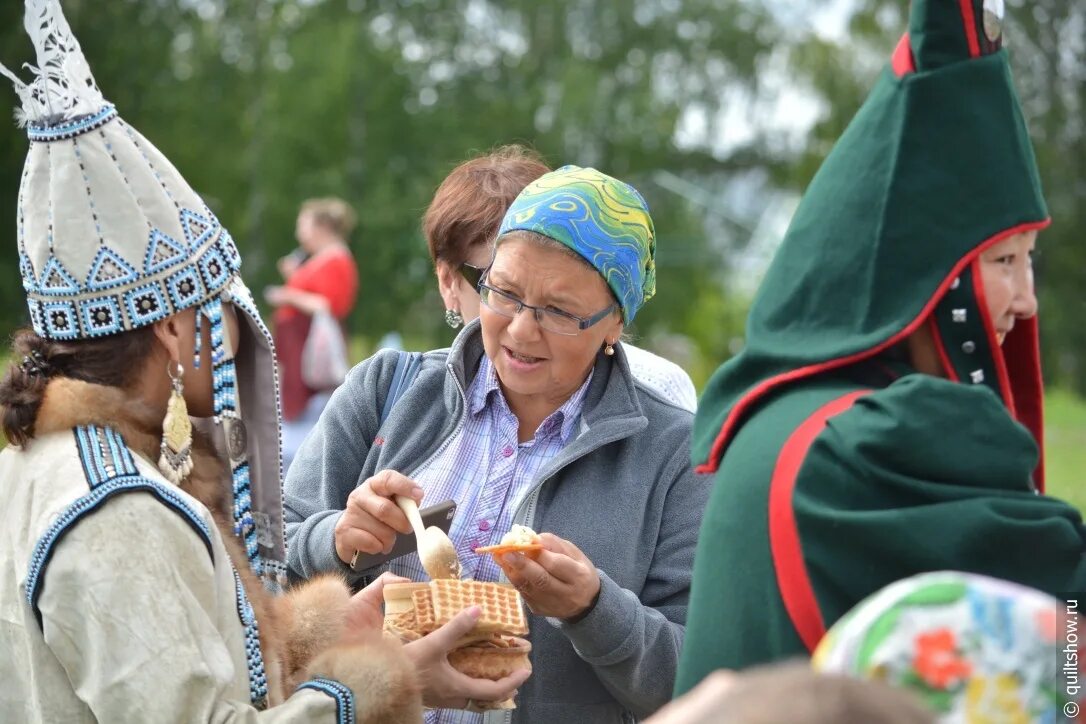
[601,218]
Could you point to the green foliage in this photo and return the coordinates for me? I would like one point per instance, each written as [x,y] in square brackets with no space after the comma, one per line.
[264,103]
[1065,446]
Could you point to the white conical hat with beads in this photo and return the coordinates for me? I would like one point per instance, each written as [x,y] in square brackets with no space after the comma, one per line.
[112,238]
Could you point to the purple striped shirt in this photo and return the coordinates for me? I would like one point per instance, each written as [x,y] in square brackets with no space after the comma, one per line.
[487,472]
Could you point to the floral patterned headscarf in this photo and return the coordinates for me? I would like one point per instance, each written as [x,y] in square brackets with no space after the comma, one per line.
[601,218]
[978,650]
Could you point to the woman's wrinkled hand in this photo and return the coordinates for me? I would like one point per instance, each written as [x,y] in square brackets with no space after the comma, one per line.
[371,519]
[443,687]
[365,610]
[561,582]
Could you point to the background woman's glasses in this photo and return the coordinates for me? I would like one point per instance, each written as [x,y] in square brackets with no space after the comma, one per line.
[472,274]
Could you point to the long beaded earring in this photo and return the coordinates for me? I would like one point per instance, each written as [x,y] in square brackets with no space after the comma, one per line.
[198,347]
[175,462]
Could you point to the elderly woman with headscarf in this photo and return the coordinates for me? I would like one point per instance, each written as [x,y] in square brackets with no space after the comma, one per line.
[532,417]
[461,222]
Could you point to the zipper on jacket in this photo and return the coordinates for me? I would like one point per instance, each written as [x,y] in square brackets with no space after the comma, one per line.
[525,512]
[531,500]
[525,515]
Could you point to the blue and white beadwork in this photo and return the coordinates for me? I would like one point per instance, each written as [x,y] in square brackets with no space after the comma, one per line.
[198,347]
[162,253]
[72,129]
[56,281]
[109,270]
[101,317]
[198,229]
[104,454]
[344,697]
[185,287]
[274,570]
[26,271]
[225,405]
[146,304]
[254,658]
[59,317]
[116,296]
[110,470]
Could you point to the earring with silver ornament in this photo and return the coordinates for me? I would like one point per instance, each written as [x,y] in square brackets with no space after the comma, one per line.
[453,318]
[175,460]
[609,349]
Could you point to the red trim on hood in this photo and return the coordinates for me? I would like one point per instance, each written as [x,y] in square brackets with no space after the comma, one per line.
[970,20]
[902,62]
[1022,352]
[940,348]
[993,341]
[755,394]
[794,583]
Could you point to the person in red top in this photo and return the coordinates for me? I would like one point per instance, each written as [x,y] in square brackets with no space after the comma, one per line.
[321,275]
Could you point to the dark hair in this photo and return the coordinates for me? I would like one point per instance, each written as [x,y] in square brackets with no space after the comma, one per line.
[469,205]
[111,361]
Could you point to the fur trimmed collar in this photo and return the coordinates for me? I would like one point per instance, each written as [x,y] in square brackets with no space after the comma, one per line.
[304,633]
[69,403]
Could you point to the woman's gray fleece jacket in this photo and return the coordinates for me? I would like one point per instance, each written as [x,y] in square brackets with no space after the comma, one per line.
[623,490]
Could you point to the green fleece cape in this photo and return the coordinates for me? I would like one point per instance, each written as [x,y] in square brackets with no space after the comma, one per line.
[837,469]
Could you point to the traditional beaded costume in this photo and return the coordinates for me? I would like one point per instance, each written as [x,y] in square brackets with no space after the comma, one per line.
[132,592]
[111,238]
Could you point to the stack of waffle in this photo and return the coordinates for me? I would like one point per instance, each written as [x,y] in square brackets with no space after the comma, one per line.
[493,649]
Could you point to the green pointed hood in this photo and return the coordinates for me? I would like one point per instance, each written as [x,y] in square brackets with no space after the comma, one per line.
[936,166]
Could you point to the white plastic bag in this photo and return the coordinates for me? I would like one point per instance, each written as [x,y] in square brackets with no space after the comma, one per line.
[324,357]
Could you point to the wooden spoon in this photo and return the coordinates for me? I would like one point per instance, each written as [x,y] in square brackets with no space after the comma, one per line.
[436,551]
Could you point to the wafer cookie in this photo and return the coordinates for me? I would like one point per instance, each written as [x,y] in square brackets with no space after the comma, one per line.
[424,612]
[492,660]
[502,610]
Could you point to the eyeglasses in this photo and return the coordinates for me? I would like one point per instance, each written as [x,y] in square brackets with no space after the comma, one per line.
[552,320]
[472,274]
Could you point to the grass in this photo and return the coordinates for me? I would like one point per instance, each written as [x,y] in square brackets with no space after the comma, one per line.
[1065,447]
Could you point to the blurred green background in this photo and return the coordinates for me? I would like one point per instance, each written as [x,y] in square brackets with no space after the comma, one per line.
[718,111]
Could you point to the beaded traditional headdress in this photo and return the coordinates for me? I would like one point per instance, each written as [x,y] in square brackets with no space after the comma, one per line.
[111,238]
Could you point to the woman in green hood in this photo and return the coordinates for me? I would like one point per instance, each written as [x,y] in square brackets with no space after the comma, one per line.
[885,418]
